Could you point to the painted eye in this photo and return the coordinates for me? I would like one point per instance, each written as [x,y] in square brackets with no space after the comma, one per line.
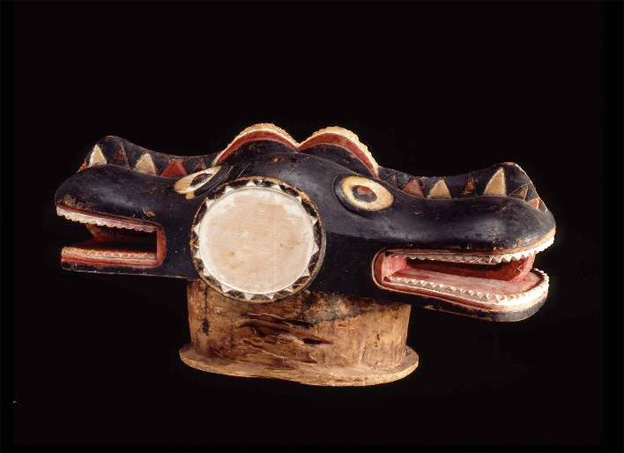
[364,194]
[197,183]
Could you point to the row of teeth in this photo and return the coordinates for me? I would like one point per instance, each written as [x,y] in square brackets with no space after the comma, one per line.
[101,221]
[477,259]
[479,296]
[93,253]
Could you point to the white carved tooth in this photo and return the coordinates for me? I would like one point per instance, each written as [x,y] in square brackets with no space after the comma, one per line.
[250,183]
[247,296]
[227,189]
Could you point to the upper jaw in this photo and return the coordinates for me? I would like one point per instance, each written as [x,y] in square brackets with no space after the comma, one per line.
[493,256]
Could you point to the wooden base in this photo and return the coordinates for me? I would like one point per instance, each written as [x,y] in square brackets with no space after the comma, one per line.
[312,338]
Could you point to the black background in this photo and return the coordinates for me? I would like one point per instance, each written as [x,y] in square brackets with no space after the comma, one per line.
[432,89]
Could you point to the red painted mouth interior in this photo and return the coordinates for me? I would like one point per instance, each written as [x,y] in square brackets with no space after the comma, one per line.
[515,271]
[504,278]
[115,241]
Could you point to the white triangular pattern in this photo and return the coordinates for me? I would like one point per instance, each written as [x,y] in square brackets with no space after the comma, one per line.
[145,164]
[97,157]
[496,185]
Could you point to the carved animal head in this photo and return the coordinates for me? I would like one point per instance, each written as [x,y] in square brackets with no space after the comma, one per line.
[268,217]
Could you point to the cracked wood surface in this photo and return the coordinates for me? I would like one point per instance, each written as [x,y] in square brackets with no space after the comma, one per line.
[313,338]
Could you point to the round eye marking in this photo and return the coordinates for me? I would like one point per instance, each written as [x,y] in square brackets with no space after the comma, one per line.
[195,183]
[364,194]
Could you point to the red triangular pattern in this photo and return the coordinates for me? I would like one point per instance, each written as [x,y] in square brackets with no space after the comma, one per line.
[175,169]
[414,187]
[120,157]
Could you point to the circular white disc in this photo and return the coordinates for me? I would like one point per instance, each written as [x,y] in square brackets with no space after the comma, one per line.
[256,240]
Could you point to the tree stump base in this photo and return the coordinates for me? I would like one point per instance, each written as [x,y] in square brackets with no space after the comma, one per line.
[312,338]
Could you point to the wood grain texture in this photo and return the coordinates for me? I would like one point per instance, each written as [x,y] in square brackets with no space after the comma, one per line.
[312,338]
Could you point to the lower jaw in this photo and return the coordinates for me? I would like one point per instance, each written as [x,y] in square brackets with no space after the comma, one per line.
[98,255]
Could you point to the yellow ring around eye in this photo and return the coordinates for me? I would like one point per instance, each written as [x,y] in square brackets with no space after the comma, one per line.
[365,193]
[190,183]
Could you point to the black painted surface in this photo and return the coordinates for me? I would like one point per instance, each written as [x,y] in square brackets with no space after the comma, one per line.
[354,236]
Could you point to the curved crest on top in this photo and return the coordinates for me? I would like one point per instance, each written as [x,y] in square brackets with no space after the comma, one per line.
[346,139]
[334,136]
[260,131]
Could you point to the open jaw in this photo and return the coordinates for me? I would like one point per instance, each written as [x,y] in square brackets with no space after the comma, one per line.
[116,241]
[497,281]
